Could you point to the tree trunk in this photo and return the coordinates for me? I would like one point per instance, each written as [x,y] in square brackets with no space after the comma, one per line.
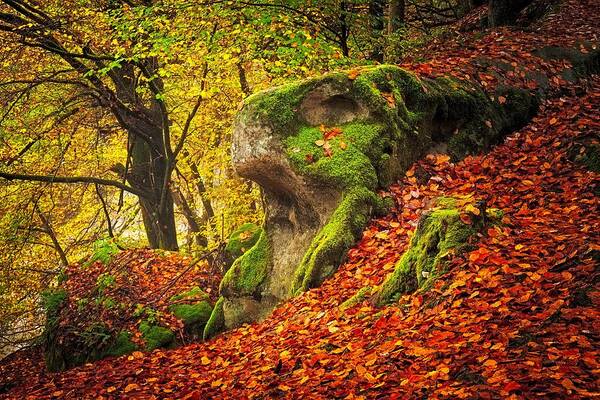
[376,8]
[397,16]
[50,232]
[505,12]
[194,225]
[147,173]
[344,31]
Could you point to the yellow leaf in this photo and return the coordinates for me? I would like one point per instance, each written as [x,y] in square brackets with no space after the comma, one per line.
[490,363]
[472,209]
[205,360]
[130,387]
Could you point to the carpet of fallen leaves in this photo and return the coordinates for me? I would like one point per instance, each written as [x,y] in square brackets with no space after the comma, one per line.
[518,317]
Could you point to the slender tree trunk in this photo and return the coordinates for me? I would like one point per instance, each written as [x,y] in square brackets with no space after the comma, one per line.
[148,171]
[397,16]
[105,210]
[201,187]
[376,11]
[344,31]
[244,85]
[50,232]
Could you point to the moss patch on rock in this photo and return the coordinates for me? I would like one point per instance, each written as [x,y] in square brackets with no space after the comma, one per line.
[192,315]
[250,270]
[358,298]
[440,233]
[216,322]
[242,239]
[194,293]
[122,345]
[337,236]
[156,336]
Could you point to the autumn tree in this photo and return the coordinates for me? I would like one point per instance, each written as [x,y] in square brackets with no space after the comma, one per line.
[126,81]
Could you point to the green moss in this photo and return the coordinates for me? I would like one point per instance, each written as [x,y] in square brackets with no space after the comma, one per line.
[445,202]
[194,293]
[156,336]
[346,167]
[250,270]
[106,302]
[440,233]
[279,107]
[122,345]
[358,298]
[337,236]
[192,314]
[216,322]
[104,282]
[242,239]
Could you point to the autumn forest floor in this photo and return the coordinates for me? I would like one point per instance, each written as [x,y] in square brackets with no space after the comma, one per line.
[516,317]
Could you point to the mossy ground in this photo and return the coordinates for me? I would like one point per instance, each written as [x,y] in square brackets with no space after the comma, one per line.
[100,310]
[121,346]
[361,295]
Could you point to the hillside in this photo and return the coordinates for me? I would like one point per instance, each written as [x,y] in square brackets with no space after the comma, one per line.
[517,314]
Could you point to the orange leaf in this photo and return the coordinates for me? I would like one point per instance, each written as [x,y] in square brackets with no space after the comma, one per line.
[131,387]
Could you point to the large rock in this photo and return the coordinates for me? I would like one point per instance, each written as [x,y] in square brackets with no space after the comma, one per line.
[320,149]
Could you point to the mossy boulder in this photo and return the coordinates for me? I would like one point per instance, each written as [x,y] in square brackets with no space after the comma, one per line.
[321,148]
[441,233]
[156,336]
[216,322]
[241,240]
[192,314]
[193,308]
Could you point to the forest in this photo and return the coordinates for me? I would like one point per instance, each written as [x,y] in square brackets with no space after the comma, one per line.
[299,199]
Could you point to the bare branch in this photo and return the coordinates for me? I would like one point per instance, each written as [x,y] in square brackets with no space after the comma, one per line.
[73,179]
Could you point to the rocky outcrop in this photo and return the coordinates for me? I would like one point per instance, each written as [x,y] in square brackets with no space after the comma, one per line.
[320,149]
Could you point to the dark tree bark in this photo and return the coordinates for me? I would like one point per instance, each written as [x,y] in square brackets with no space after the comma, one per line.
[376,15]
[344,29]
[397,17]
[244,85]
[505,12]
[194,225]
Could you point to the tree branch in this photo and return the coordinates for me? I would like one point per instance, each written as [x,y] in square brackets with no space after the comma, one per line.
[73,179]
